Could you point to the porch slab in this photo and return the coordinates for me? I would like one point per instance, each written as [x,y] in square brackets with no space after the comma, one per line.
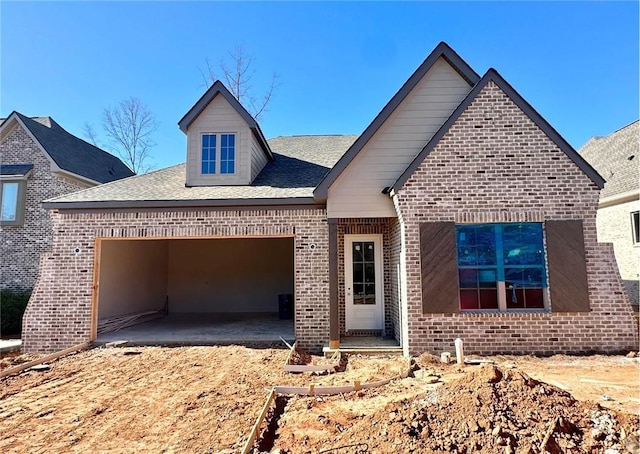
[205,329]
[366,345]
[10,345]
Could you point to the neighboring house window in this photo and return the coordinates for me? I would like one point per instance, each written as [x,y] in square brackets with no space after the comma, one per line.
[501,266]
[635,226]
[12,196]
[218,148]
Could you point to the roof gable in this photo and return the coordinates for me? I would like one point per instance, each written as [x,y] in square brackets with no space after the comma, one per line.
[513,95]
[216,89]
[442,50]
[70,153]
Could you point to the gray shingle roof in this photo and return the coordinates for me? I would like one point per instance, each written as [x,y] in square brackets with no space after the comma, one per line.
[300,162]
[15,169]
[73,154]
[617,158]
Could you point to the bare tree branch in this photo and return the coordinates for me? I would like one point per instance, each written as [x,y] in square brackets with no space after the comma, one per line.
[90,133]
[130,127]
[237,73]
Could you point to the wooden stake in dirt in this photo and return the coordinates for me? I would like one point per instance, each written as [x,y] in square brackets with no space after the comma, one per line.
[549,444]
[311,390]
[21,367]
[314,390]
[254,431]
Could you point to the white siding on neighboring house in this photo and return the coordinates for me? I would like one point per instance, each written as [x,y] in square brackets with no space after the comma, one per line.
[219,117]
[357,191]
[615,226]
[258,158]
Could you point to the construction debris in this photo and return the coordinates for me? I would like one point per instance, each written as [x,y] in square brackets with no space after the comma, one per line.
[211,396]
[301,361]
[118,322]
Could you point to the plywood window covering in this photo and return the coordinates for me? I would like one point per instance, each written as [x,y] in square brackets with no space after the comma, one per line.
[567,266]
[439,267]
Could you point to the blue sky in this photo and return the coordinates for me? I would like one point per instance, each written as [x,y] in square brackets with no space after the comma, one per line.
[338,63]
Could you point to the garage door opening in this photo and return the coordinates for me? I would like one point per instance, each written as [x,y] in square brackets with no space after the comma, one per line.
[195,291]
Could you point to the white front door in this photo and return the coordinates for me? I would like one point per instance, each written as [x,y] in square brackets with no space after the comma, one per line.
[363,282]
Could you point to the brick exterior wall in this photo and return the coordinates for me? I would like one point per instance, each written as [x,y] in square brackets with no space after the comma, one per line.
[22,246]
[60,310]
[371,226]
[395,271]
[614,226]
[496,165]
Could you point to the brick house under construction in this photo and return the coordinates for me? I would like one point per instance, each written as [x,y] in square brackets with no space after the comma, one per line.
[458,212]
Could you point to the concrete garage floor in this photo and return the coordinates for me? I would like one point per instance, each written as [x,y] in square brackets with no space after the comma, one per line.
[205,329]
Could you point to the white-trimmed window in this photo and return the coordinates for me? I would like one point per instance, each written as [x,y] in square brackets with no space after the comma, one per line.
[218,153]
[635,226]
[12,201]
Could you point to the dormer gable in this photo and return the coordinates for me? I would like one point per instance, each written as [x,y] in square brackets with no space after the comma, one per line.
[225,145]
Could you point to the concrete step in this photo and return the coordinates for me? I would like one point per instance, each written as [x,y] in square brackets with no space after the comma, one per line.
[10,345]
[364,350]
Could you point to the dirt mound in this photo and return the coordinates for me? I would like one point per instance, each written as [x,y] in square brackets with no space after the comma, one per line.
[492,410]
[299,357]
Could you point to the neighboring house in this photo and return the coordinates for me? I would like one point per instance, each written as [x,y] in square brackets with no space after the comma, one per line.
[40,160]
[458,212]
[617,158]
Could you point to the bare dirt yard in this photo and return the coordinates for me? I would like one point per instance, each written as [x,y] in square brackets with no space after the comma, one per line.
[206,399]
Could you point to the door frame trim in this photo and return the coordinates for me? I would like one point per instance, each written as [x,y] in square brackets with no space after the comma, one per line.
[377,238]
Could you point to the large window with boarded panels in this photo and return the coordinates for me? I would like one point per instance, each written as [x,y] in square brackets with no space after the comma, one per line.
[501,266]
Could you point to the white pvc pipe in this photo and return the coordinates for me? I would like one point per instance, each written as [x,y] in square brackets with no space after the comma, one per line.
[459,351]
